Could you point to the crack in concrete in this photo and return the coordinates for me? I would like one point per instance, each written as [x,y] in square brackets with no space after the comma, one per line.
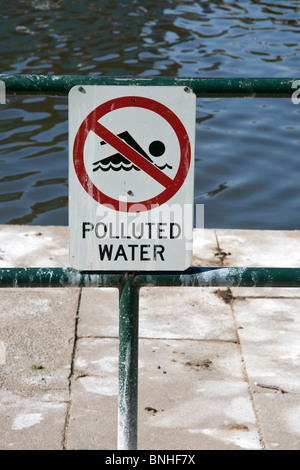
[220,253]
[71,375]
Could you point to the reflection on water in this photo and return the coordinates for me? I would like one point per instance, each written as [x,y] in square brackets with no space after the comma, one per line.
[247,162]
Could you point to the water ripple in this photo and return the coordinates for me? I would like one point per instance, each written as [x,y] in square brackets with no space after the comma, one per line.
[247,163]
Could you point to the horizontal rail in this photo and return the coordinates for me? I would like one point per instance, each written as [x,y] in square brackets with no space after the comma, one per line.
[203,87]
[192,277]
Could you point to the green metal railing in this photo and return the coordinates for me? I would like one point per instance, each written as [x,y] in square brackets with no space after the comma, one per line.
[130,283]
[202,87]
[192,277]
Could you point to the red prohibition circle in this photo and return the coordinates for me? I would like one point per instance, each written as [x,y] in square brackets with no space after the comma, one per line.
[91,122]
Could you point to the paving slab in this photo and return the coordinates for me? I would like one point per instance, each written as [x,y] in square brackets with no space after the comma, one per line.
[205,248]
[37,331]
[269,333]
[33,246]
[37,335]
[192,395]
[279,415]
[183,313]
[260,248]
[32,421]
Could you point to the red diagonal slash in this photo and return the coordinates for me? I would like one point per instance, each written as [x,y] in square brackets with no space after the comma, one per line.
[135,157]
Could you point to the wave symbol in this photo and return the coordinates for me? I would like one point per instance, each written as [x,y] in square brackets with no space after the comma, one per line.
[116,163]
[164,166]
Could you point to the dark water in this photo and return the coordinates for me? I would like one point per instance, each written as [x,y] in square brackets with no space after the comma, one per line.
[247,151]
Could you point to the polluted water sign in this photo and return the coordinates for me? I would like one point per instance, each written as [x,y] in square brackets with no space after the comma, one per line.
[131,177]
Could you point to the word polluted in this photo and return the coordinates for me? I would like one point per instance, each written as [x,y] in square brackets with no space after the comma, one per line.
[145,230]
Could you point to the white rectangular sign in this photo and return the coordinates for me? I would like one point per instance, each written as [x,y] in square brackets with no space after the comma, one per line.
[131,177]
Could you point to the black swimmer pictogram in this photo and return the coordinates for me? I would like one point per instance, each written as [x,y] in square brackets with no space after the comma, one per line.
[117,162]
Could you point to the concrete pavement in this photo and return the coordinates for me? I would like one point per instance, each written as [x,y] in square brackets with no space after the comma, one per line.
[218,368]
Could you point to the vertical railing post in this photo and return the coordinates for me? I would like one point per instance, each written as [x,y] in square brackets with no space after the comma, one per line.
[128,364]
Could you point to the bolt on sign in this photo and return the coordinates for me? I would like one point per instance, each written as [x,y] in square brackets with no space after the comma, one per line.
[131,177]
